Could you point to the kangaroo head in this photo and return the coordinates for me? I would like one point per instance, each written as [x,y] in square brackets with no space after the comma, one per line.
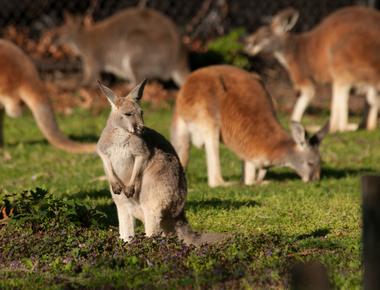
[126,112]
[268,38]
[70,31]
[305,158]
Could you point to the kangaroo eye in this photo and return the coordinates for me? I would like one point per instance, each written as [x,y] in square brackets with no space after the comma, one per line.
[128,114]
[310,163]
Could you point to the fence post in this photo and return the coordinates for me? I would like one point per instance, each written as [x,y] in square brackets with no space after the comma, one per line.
[371,231]
[372,3]
[309,276]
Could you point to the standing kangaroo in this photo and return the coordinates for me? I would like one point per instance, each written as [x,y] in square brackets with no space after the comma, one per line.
[342,50]
[20,83]
[146,178]
[133,44]
[229,104]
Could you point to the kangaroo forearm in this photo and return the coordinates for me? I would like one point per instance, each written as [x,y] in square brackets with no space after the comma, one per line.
[112,177]
[137,169]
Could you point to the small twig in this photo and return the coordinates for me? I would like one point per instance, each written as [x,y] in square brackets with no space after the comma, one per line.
[197,18]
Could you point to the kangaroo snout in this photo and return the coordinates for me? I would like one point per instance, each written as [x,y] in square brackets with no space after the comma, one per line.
[139,129]
[250,48]
[311,177]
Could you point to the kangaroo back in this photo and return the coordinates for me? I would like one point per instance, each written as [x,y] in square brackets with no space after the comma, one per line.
[236,102]
[134,44]
[348,46]
[224,103]
[341,50]
[337,48]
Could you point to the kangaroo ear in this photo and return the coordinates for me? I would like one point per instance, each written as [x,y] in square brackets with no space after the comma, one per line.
[67,17]
[298,133]
[72,20]
[284,21]
[108,93]
[137,93]
[317,138]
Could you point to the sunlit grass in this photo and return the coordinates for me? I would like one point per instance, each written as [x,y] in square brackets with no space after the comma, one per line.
[319,220]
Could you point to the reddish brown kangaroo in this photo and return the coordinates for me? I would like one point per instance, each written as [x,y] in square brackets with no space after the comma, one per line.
[133,44]
[20,83]
[342,50]
[229,104]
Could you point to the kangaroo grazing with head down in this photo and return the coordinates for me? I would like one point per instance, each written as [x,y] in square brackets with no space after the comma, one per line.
[342,50]
[133,44]
[229,104]
[147,181]
[20,84]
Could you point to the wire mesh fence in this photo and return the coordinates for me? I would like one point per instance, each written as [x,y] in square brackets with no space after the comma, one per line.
[203,17]
[29,23]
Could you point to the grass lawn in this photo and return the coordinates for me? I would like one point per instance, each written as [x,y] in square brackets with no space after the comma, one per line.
[64,241]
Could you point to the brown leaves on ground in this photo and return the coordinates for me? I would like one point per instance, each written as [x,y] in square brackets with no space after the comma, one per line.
[43,47]
[65,101]
[6,216]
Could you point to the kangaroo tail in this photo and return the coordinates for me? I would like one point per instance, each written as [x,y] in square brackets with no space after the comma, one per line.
[189,236]
[36,98]
[181,69]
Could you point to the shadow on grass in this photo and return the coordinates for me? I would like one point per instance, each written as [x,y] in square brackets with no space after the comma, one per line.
[236,178]
[86,138]
[216,203]
[339,173]
[109,209]
[318,233]
[283,176]
[326,172]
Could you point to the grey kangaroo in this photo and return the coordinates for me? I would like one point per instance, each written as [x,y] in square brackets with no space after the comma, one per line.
[146,178]
[133,44]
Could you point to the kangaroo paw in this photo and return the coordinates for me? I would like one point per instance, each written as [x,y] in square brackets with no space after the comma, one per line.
[129,191]
[117,188]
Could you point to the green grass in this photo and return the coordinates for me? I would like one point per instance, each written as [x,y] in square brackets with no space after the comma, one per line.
[273,225]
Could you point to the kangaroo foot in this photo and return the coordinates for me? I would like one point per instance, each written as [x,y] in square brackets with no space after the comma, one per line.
[223,183]
[352,127]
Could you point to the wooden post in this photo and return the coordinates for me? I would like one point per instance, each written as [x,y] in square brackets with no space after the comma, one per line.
[372,3]
[309,276]
[371,231]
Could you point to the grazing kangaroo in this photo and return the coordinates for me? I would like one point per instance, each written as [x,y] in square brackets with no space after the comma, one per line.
[20,83]
[226,103]
[342,50]
[133,44]
[146,178]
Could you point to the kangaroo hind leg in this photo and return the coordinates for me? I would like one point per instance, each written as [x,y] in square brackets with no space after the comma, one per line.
[152,223]
[180,138]
[212,137]
[126,220]
[373,100]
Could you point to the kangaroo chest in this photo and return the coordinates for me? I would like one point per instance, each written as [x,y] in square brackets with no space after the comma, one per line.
[122,161]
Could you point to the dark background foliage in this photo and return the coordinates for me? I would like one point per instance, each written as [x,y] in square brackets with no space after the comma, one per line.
[200,17]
